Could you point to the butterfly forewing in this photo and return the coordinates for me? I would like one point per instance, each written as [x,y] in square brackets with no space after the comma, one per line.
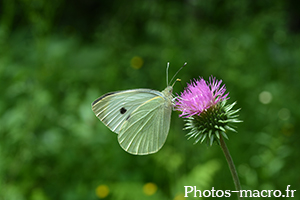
[140,117]
[146,129]
[115,107]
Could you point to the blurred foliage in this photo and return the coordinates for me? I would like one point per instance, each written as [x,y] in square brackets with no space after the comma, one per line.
[57,56]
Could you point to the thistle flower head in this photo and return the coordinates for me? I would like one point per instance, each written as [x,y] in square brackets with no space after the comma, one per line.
[203,105]
[199,96]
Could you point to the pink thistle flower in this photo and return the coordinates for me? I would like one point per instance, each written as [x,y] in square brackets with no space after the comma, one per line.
[199,96]
[203,105]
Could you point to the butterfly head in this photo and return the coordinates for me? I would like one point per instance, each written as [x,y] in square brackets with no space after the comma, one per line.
[168,90]
[167,93]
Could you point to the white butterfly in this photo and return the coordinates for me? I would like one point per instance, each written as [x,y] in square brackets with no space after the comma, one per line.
[140,117]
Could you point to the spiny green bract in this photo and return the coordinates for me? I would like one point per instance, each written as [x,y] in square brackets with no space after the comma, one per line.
[212,123]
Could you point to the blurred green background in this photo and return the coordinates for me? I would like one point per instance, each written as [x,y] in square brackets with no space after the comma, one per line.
[57,57]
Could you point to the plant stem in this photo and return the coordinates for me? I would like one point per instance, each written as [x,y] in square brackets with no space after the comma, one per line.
[231,167]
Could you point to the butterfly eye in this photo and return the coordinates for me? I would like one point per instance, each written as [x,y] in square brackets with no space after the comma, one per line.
[170,89]
[123,110]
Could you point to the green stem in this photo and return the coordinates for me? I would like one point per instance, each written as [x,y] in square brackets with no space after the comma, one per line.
[231,167]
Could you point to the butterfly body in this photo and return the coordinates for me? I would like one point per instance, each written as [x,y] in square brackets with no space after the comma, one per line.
[140,117]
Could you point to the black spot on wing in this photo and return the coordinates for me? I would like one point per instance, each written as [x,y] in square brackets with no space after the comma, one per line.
[127,117]
[123,110]
[97,100]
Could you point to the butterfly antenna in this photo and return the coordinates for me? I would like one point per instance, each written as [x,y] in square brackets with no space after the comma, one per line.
[178,79]
[177,73]
[167,72]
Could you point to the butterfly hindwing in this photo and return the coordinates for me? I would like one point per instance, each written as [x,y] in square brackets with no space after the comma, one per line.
[115,107]
[146,129]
